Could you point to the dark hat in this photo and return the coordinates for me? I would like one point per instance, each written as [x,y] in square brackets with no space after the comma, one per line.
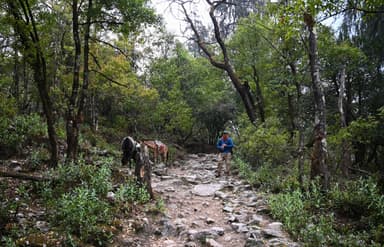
[226,132]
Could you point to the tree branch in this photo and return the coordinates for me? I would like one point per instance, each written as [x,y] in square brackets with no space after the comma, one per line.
[200,42]
[217,30]
[103,22]
[109,78]
[113,47]
[23,176]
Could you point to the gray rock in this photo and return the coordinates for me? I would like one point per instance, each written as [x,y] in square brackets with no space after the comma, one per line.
[111,196]
[233,218]
[212,243]
[170,189]
[192,179]
[209,220]
[165,177]
[218,230]
[43,226]
[202,235]
[251,242]
[273,229]
[256,220]
[17,169]
[195,224]
[169,243]
[206,189]
[190,244]
[240,227]
[228,209]
[221,195]
[263,209]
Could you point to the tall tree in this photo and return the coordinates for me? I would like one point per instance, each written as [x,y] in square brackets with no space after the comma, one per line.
[243,89]
[319,153]
[129,16]
[25,27]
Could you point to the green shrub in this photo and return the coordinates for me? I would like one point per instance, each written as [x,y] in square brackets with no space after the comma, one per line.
[79,173]
[77,201]
[267,177]
[319,231]
[132,192]
[290,209]
[15,132]
[361,198]
[81,212]
[38,157]
[267,143]
[311,216]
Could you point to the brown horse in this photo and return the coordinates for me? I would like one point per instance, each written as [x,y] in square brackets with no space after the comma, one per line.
[160,150]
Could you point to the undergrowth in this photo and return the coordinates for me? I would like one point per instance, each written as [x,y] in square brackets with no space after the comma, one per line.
[76,202]
[349,214]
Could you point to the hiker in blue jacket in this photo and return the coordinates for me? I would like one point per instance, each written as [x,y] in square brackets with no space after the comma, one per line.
[224,145]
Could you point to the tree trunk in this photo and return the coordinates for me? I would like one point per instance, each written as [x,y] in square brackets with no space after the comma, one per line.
[32,50]
[259,95]
[292,116]
[346,161]
[16,79]
[84,91]
[298,123]
[143,169]
[72,120]
[319,166]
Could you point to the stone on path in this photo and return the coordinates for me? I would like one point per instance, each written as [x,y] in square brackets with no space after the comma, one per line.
[274,229]
[212,243]
[206,189]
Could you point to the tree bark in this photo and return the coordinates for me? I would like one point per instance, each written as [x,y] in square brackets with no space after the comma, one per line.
[319,166]
[84,91]
[299,125]
[259,94]
[27,30]
[346,146]
[72,120]
[143,169]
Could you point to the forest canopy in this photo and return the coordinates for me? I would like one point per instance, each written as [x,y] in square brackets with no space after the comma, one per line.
[299,84]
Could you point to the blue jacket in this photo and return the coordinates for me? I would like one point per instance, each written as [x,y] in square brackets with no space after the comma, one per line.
[227,148]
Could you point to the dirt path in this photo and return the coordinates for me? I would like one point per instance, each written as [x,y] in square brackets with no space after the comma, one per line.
[202,210]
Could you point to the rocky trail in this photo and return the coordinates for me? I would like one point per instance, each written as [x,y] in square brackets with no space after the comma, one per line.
[202,210]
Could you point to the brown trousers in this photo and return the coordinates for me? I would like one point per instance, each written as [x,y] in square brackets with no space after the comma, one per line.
[224,158]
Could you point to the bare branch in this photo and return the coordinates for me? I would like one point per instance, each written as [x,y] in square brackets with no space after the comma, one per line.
[200,42]
[217,29]
[103,22]
[23,176]
[109,78]
[113,46]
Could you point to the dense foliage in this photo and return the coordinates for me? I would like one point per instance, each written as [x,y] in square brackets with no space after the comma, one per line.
[85,74]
